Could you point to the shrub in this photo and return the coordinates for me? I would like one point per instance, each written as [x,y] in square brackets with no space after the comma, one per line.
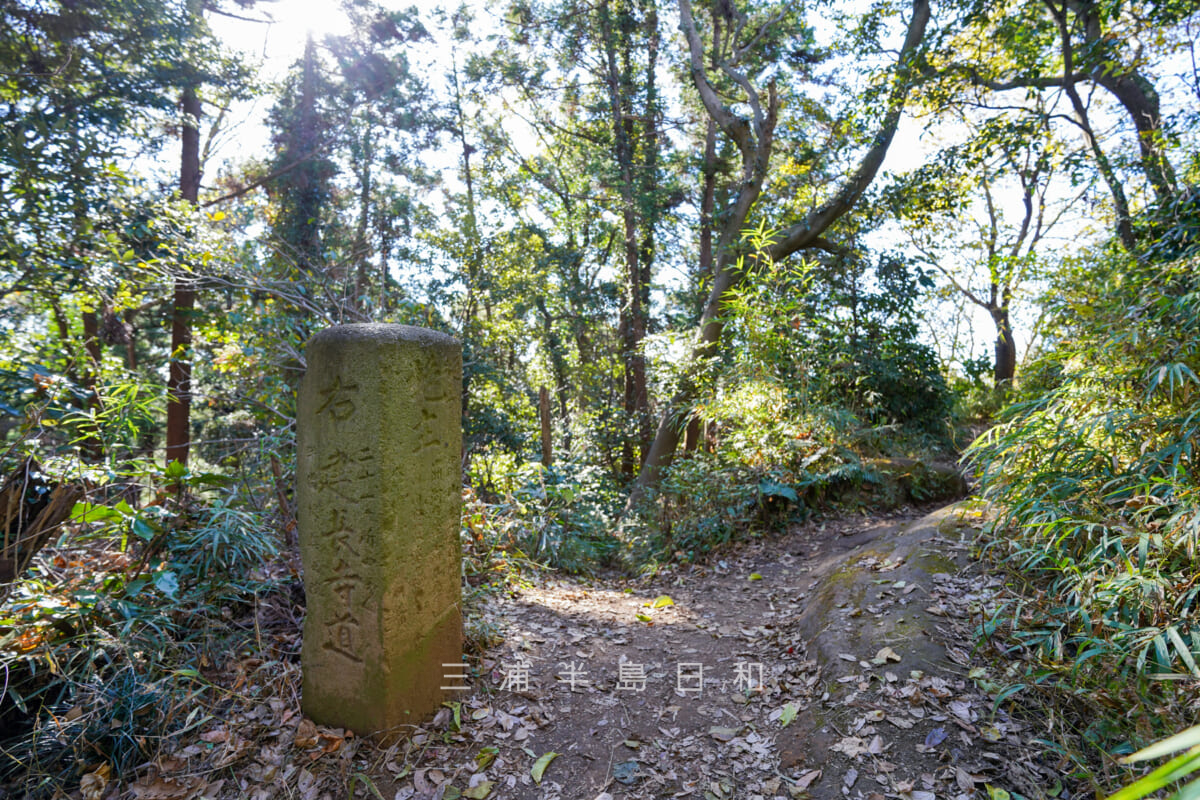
[104,641]
[1094,471]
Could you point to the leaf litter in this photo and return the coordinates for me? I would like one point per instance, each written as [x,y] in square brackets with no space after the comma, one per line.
[720,695]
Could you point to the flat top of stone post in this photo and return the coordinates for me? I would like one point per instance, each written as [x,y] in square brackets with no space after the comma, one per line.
[383,333]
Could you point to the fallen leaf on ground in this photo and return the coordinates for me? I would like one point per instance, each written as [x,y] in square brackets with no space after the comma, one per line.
[991,733]
[306,734]
[422,784]
[169,788]
[997,794]
[887,654]
[807,779]
[485,757]
[722,734]
[539,766]
[850,746]
[961,709]
[480,790]
[93,784]
[958,656]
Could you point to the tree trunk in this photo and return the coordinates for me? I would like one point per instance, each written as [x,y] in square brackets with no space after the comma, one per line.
[1133,91]
[1006,349]
[1115,188]
[617,35]
[362,249]
[648,197]
[1141,102]
[179,379]
[131,359]
[547,433]
[691,438]
[557,362]
[307,232]
[708,196]
[473,257]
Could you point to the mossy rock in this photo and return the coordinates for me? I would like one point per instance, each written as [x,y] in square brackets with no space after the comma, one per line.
[850,581]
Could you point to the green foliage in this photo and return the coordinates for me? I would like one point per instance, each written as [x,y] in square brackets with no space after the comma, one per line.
[560,516]
[104,642]
[838,334]
[1093,468]
[976,397]
[822,372]
[1175,770]
[764,463]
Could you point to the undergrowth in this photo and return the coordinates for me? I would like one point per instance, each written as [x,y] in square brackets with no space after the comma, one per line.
[105,645]
[760,463]
[1093,470]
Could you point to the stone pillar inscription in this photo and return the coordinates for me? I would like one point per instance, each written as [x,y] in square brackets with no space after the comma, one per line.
[379,499]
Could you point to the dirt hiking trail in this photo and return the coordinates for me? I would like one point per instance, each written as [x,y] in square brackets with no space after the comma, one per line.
[831,661]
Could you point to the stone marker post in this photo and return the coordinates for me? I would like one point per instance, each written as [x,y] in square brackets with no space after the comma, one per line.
[379,497]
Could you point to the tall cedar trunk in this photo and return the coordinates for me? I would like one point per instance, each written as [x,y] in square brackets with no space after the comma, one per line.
[618,44]
[648,196]
[708,196]
[1006,349]
[473,258]
[307,221]
[547,431]
[557,361]
[131,359]
[691,436]
[362,251]
[179,379]
[385,231]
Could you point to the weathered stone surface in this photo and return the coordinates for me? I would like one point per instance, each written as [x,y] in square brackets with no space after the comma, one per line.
[379,498]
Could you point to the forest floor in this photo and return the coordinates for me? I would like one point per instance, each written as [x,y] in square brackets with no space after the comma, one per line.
[835,660]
